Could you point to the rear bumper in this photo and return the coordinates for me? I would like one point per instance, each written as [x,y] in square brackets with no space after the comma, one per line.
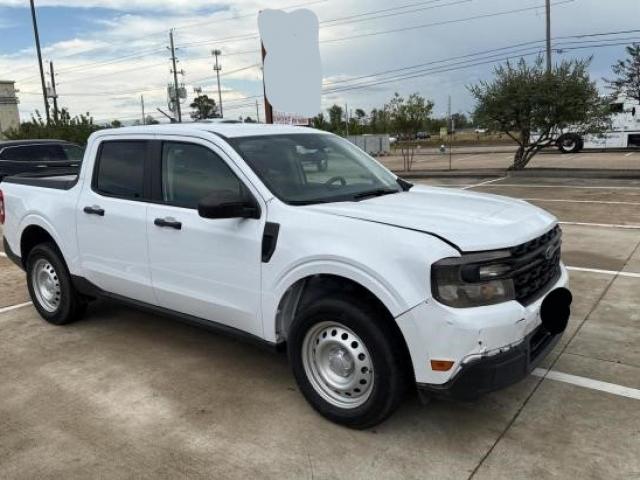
[490,373]
[10,255]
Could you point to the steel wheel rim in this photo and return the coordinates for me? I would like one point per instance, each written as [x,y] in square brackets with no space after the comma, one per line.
[46,285]
[338,364]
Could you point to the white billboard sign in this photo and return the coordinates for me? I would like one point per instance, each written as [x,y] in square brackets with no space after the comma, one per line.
[292,64]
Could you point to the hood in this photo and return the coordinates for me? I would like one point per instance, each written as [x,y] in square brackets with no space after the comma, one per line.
[471,221]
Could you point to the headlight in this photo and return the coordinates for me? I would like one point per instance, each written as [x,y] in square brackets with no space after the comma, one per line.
[473,280]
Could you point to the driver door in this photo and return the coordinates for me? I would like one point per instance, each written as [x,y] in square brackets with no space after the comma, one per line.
[207,268]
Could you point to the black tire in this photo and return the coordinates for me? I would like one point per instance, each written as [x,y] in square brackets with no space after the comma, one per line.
[71,305]
[390,370]
[570,143]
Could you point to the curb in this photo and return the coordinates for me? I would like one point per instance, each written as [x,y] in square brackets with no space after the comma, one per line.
[533,172]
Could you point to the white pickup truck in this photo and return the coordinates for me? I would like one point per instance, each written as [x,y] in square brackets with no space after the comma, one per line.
[373,285]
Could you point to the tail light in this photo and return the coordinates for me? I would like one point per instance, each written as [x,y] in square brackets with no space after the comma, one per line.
[2,216]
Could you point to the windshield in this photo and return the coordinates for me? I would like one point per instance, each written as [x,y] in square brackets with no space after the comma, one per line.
[308,168]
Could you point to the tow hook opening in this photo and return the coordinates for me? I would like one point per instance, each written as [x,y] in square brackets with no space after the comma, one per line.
[555,310]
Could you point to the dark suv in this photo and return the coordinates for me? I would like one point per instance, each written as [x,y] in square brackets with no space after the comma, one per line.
[23,156]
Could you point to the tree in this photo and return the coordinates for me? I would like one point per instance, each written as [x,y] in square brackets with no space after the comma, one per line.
[76,129]
[335,119]
[204,107]
[532,106]
[380,120]
[116,124]
[249,120]
[319,122]
[460,120]
[409,116]
[150,120]
[627,82]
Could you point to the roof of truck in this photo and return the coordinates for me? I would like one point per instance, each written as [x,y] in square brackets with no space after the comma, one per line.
[229,130]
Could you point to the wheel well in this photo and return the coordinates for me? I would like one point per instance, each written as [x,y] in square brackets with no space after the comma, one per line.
[32,236]
[305,291]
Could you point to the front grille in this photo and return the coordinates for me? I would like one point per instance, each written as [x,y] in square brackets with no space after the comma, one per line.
[536,265]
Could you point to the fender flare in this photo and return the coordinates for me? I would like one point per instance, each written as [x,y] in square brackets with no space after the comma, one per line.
[360,274]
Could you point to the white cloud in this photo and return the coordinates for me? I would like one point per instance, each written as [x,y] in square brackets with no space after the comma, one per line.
[142,29]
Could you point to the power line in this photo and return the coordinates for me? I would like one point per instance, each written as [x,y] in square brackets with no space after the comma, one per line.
[394,14]
[459,66]
[437,24]
[474,54]
[254,36]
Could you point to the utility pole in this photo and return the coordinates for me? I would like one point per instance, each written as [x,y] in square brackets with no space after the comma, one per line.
[450,131]
[548,5]
[176,92]
[346,117]
[44,86]
[144,118]
[54,91]
[257,112]
[217,67]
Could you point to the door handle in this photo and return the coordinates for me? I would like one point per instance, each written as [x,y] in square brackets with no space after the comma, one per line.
[94,210]
[168,222]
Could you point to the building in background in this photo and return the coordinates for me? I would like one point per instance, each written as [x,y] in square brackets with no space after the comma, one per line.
[9,117]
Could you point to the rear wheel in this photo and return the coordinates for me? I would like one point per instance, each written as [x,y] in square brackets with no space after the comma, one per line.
[50,286]
[347,362]
[570,143]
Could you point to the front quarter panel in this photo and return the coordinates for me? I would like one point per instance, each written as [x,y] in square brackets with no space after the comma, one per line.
[393,263]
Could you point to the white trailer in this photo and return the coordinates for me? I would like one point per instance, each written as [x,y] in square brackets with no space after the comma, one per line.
[624,131]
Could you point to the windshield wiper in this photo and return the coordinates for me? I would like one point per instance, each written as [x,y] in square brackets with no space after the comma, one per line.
[374,193]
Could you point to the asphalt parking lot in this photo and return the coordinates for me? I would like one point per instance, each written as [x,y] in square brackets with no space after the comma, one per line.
[125,394]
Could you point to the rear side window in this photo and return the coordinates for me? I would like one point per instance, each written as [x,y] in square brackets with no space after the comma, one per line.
[120,171]
[35,153]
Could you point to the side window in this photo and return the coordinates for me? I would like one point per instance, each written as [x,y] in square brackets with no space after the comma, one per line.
[191,172]
[120,169]
[73,152]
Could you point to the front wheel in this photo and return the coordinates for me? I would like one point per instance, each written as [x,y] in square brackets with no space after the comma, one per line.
[50,287]
[347,362]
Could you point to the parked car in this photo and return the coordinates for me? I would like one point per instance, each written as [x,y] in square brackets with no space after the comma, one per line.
[21,156]
[374,286]
[422,136]
[480,130]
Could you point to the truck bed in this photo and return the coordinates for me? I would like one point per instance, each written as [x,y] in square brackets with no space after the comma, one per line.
[64,179]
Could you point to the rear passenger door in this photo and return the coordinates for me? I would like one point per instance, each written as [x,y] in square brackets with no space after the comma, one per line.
[111,219]
[207,268]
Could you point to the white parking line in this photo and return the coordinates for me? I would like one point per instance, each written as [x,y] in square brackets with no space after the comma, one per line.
[484,183]
[629,154]
[2,254]
[14,307]
[588,383]
[602,225]
[605,272]
[604,202]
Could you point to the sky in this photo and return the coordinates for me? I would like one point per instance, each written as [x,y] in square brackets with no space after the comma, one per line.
[107,53]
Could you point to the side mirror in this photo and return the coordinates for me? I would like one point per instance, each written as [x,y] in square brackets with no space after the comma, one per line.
[228,204]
